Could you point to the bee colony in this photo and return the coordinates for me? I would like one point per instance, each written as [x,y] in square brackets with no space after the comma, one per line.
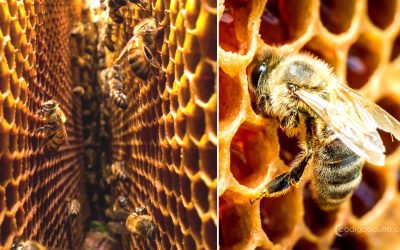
[359,39]
[112,130]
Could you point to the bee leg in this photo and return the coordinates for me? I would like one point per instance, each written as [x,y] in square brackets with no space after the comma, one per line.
[43,127]
[282,183]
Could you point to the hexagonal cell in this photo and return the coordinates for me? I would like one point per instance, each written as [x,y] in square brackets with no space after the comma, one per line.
[6,229]
[6,167]
[281,22]
[391,106]
[189,242]
[184,91]
[180,124]
[252,149]
[369,192]
[279,214]
[234,223]
[208,160]
[381,12]
[9,109]
[190,157]
[304,244]
[185,188]
[317,220]
[350,241]
[19,217]
[200,195]
[230,97]
[196,123]
[210,234]
[182,216]
[233,26]
[4,78]
[362,60]
[336,15]
[204,82]
[191,52]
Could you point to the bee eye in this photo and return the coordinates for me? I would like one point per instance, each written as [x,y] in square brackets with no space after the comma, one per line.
[256,74]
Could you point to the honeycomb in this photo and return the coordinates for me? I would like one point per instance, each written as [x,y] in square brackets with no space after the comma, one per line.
[360,39]
[35,67]
[167,136]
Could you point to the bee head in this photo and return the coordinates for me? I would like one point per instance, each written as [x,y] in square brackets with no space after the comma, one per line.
[17,244]
[259,85]
[47,107]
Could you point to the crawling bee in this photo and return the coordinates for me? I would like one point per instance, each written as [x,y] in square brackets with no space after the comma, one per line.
[56,134]
[133,223]
[336,126]
[74,207]
[116,86]
[140,48]
[115,5]
[115,172]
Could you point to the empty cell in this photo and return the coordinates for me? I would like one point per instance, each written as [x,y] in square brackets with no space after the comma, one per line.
[17,167]
[184,91]
[235,224]
[369,192]
[381,12]
[337,15]
[16,33]
[185,188]
[288,147]
[11,195]
[233,26]
[19,217]
[362,60]
[391,106]
[200,195]
[165,242]
[7,229]
[196,122]
[4,76]
[179,68]
[230,98]
[5,18]
[180,29]
[182,216]
[190,157]
[9,53]
[189,242]
[6,166]
[208,160]
[204,82]
[191,52]
[9,109]
[252,150]
[210,234]
[180,125]
[279,214]
[194,221]
[317,220]
[282,22]
[13,141]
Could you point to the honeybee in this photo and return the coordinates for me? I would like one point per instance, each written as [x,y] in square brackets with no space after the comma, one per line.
[116,86]
[140,48]
[115,172]
[74,207]
[115,5]
[56,134]
[335,125]
[133,223]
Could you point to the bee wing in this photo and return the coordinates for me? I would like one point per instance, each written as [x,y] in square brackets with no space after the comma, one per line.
[150,57]
[382,119]
[352,125]
[125,49]
[61,122]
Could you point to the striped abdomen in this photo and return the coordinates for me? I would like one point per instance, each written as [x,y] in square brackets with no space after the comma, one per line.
[337,173]
[140,65]
[54,139]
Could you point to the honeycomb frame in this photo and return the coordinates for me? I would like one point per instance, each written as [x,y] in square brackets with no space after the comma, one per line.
[360,40]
